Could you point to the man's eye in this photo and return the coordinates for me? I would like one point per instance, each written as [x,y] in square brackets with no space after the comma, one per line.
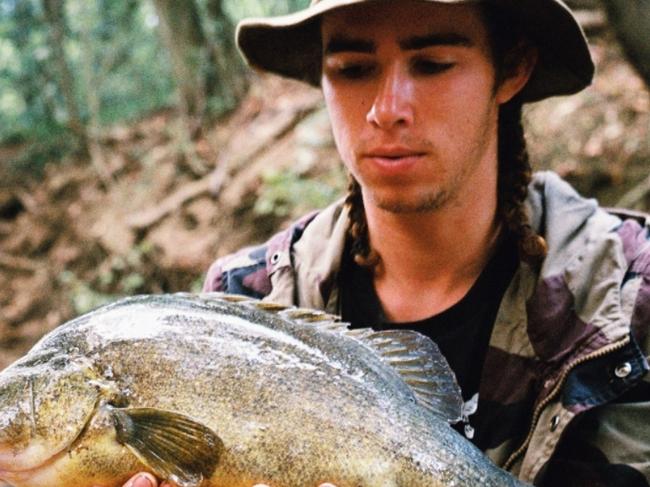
[355,71]
[422,66]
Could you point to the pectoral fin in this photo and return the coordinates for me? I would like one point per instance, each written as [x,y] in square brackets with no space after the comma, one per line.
[173,446]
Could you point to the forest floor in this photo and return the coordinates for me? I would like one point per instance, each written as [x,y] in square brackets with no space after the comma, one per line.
[165,208]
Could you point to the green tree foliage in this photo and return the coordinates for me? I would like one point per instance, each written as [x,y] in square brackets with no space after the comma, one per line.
[116,54]
[28,92]
[68,68]
[117,69]
[256,8]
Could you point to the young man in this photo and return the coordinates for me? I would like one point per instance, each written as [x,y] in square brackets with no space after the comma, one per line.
[539,299]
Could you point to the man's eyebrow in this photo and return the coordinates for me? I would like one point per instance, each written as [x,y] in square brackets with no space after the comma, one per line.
[435,39]
[346,44]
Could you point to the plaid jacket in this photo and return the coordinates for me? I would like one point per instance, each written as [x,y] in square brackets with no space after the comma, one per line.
[565,383]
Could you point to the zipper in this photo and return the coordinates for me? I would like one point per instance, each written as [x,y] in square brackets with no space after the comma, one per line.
[538,411]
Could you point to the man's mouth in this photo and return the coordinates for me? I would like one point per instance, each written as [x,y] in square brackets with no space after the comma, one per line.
[394,153]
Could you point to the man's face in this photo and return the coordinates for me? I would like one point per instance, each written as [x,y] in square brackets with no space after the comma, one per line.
[410,88]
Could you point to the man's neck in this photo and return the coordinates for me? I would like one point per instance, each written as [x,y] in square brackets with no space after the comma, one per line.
[429,260]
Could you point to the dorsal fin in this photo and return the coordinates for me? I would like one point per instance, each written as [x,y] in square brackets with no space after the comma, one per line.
[420,363]
[415,357]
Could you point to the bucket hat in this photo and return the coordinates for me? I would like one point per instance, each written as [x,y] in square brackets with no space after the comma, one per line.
[290,45]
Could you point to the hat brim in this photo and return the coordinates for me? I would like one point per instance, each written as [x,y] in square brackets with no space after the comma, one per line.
[290,45]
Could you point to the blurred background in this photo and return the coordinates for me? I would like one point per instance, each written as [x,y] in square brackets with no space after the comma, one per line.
[135,146]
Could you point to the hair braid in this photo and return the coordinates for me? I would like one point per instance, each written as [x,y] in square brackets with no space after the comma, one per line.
[515,174]
[364,255]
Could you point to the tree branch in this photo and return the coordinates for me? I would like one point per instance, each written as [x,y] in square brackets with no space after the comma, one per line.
[182,196]
[16,263]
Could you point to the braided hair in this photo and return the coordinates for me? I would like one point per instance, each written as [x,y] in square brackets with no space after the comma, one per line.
[514,176]
[514,169]
[363,253]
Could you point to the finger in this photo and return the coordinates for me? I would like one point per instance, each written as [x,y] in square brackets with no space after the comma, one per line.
[142,480]
[264,485]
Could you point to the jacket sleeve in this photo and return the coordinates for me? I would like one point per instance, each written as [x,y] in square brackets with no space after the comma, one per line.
[248,270]
[244,272]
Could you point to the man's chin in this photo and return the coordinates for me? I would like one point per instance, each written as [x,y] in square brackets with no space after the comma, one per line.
[413,205]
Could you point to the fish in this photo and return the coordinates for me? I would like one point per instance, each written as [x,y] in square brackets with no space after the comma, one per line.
[216,390]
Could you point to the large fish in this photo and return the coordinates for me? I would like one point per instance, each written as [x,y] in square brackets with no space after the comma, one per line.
[213,390]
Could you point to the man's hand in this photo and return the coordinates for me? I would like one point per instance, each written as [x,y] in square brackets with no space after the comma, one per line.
[145,480]
[321,485]
[148,480]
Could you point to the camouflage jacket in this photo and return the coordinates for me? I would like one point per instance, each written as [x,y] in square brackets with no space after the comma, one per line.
[567,361]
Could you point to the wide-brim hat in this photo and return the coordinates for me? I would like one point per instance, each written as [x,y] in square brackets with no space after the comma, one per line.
[290,45]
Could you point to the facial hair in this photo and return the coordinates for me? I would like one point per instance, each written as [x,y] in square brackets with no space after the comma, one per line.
[434,198]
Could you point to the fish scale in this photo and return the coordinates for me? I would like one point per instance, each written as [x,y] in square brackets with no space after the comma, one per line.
[223,391]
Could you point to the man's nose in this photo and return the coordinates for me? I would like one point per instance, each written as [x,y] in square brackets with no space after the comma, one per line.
[392,105]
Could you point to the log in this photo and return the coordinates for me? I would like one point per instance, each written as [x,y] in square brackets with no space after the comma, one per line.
[260,137]
[186,193]
[21,264]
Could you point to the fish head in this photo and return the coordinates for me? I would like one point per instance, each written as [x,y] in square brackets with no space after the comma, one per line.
[46,403]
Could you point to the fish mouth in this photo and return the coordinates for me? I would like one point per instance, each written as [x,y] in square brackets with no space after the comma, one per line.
[15,474]
[23,473]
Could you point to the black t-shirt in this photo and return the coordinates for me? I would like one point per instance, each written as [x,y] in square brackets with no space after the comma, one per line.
[462,332]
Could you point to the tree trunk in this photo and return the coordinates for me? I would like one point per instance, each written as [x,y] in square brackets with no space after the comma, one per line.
[229,80]
[93,83]
[183,36]
[55,18]
[631,20]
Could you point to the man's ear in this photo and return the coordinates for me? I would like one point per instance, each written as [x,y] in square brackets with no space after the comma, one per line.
[517,72]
